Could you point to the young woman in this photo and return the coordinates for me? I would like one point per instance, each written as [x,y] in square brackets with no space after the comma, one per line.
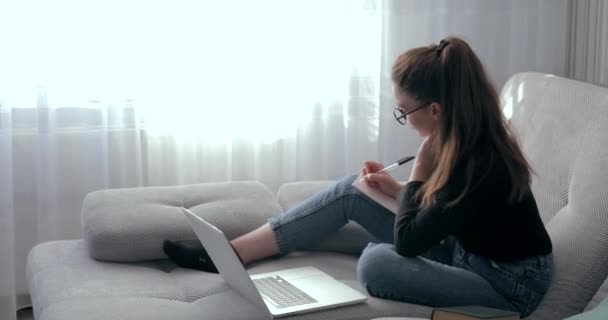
[467,230]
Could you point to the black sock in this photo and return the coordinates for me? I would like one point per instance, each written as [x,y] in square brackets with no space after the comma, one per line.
[189,254]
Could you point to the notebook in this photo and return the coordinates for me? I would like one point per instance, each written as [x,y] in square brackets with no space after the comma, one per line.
[382,199]
[277,293]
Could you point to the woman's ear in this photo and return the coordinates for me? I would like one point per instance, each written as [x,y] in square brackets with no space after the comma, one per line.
[436,110]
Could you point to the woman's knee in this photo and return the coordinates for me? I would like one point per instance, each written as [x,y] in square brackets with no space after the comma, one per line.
[346,182]
[386,274]
[341,188]
[373,267]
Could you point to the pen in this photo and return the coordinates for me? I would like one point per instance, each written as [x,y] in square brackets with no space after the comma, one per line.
[395,165]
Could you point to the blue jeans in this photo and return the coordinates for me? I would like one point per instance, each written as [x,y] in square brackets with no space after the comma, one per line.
[444,276]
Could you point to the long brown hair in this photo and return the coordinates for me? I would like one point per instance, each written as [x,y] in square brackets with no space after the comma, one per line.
[450,73]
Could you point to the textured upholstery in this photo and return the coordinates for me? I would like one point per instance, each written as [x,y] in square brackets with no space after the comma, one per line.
[66,284]
[131,224]
[563,127]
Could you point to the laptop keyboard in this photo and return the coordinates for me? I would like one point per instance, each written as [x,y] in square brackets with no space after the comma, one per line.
[281,293]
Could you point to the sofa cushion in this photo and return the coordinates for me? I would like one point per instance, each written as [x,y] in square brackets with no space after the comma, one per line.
[65,283]
[562,125]
[131,224]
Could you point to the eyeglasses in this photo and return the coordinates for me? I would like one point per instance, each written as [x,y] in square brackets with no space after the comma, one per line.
[401,116]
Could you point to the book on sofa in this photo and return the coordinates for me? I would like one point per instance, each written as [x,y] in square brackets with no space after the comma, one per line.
[473,313]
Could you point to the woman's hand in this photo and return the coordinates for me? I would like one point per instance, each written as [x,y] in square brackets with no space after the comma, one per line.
[423,165]
[381,181]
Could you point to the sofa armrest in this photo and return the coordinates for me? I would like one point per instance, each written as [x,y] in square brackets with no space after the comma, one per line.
[127,225]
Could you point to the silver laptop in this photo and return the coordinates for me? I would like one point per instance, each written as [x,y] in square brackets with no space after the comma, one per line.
[279,293]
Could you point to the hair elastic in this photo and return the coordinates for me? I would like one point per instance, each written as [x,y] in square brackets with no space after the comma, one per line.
[442,44]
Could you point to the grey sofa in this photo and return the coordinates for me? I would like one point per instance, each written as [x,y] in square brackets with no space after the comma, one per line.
[118,270]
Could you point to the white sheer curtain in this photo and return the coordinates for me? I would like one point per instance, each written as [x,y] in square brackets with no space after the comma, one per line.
[588,55]
[134,93]
[115,94]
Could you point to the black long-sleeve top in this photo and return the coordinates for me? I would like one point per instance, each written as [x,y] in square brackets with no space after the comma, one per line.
[483,221]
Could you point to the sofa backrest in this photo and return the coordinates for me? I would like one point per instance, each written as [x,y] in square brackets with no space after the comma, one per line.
[562,125]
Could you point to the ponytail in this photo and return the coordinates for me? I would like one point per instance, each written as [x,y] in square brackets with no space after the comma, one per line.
[450,73]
